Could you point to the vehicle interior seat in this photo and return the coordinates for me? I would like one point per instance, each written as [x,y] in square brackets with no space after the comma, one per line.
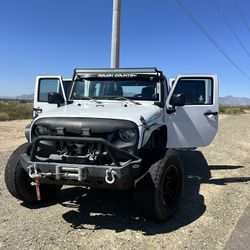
[148,92]
[114,91]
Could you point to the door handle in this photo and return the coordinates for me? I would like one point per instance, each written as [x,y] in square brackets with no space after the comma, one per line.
[37,109]
[210,113]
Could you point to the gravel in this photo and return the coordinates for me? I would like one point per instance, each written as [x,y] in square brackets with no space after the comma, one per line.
[215,195]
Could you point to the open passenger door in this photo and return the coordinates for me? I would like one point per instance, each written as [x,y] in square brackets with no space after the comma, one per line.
[45,85]
[192,111]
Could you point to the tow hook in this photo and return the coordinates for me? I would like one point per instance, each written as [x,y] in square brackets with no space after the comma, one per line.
[33,174]
[110,176]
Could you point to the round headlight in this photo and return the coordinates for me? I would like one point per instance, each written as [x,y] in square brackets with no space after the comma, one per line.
[42,130]
[127,134]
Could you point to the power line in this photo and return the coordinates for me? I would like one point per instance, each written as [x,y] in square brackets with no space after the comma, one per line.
[241,15]
[221,14]
[210,38]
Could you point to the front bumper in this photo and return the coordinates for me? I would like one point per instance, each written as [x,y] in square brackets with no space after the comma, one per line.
[118,175]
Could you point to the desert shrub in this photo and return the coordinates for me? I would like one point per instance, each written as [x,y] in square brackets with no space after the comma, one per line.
[4,116]
[24,101]
[247,109]
[222,109]
[16,110]
[232,109]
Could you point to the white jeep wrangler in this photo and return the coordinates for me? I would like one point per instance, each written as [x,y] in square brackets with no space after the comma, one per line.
[116,129]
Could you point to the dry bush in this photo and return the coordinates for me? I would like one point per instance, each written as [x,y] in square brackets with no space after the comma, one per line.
[232,110]
[16,109]
[4,116]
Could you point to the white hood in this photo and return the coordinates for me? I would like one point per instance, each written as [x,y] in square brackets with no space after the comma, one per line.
[111,110]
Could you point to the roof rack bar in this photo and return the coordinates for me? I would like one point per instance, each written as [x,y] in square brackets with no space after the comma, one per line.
[120,70]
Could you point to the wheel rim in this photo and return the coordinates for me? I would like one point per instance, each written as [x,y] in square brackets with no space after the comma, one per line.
[170,186]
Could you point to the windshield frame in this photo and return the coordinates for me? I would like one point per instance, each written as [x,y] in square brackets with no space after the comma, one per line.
[158,83]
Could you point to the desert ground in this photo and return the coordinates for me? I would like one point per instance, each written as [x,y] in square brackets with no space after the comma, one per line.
[216,194]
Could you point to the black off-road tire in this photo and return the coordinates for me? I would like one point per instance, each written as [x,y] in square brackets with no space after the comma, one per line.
[18,181]
[158,193]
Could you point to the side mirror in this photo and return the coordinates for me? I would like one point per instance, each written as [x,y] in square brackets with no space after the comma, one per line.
[178,100]
[55,98]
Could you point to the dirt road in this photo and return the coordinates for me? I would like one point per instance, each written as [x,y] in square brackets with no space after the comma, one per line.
[216,193]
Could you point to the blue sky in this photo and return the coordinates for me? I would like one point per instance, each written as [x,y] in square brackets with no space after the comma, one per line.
[54,37]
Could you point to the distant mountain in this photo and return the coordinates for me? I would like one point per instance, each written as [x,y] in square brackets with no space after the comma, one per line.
[6,97]
[25,97]
[20,97]
[234,101]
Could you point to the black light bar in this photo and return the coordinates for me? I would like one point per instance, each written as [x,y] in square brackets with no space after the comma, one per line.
[117,73]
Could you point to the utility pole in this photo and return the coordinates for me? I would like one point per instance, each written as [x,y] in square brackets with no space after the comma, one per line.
[115,46]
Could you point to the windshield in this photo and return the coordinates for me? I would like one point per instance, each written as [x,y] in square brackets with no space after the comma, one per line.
[144,90]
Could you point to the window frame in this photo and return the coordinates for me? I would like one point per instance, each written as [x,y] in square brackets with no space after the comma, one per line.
[39,87]
[199,78]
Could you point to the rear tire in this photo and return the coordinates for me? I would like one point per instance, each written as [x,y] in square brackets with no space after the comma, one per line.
[18,181]
[159,191]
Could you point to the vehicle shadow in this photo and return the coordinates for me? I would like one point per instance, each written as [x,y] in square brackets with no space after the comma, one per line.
[116,210]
